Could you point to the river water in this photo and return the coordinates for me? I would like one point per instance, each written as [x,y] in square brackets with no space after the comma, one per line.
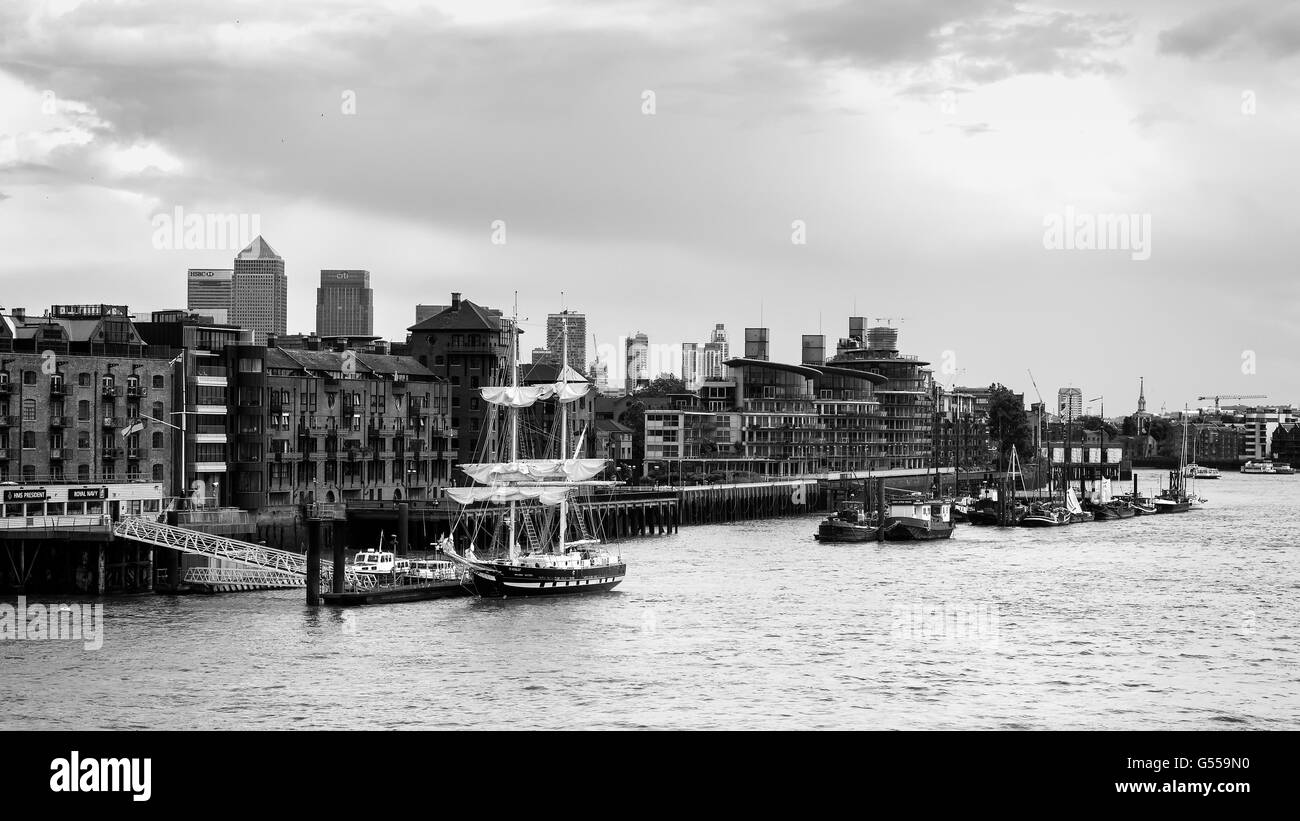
[1187,621]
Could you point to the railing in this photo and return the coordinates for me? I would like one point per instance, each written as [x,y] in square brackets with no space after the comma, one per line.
[8,453]
[109,391]
[136,390]
[112,421]
[58,389]
[250,576]
[88,522]
[8,420]
[111,453]
[59,421]
[221,547]
[137,453]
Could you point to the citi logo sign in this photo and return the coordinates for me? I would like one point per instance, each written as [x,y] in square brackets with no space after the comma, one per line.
[128,775]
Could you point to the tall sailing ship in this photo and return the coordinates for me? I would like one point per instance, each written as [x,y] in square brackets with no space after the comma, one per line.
[528,499]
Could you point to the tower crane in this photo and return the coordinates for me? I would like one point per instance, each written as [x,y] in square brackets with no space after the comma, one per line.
[1038,428]
[1217,397]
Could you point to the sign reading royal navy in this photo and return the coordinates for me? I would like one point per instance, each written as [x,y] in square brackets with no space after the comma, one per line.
[78,494]
[37,495]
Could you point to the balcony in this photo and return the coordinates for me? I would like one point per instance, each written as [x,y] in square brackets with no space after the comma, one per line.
[111,453]
[61,454]
[287,456]
[6,388]
[7,454]
[59,421]
[8,421]
[136,391]
[58,389]
[109,391]
[360,453]
[137,453]
[113,421]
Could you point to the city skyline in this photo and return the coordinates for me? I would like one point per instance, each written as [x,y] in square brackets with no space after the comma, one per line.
[984,123]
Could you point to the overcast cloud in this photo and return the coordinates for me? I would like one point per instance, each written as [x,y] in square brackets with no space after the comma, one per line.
[922,144]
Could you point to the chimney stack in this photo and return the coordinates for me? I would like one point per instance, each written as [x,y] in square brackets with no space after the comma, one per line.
[455,300]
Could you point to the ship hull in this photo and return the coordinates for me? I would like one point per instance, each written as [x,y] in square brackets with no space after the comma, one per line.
[845,532]
[982,517]
[510,582]
[913,530]
[1033,520]
[1173,507]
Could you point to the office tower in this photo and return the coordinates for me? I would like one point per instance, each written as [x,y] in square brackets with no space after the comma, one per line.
[1069,403]
[638,362]
[208,292]
[260,291]
[344,304]
[574,326]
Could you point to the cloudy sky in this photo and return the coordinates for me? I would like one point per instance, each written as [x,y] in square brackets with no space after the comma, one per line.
[657,162]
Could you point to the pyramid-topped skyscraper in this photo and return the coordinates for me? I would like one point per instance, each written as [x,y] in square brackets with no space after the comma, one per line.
[260,291]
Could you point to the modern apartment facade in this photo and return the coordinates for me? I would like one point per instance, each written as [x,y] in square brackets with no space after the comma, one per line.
[906,395]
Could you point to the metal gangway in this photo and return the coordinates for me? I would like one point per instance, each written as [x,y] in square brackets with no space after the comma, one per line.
[289,567]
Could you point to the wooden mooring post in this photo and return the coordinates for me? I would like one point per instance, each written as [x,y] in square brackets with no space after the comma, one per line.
[313,561]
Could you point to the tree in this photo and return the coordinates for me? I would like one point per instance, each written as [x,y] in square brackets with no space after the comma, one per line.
[1007,423]
[1097,423]
[1159,429]
[662,385]
[1130,427]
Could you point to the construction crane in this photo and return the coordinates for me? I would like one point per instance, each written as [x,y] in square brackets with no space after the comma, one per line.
[1038,428]
[1217,397]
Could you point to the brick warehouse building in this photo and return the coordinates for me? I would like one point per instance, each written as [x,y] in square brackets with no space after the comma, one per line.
[333,426]
[70,383]
[468,346]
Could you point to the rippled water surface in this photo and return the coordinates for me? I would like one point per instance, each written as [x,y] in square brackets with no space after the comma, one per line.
[1166,622]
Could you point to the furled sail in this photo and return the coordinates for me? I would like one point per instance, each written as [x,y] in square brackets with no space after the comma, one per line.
[535,470]
[570,385]
[520,397]
[506,494]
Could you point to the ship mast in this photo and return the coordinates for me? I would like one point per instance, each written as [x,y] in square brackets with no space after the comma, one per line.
[564,421]
[513,547]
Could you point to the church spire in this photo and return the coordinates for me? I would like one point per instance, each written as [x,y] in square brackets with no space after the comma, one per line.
[1142,395]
